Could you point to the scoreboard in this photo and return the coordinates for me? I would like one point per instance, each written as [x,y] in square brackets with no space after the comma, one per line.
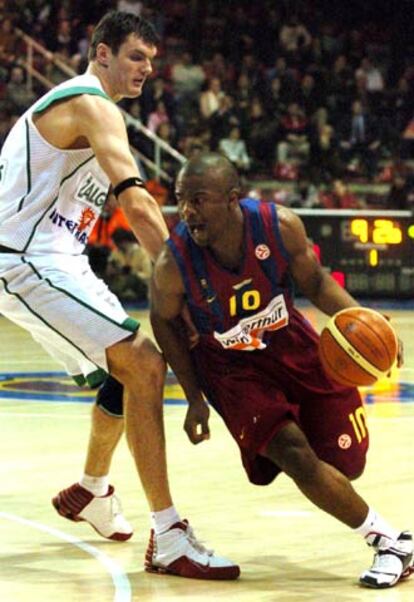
[370,253]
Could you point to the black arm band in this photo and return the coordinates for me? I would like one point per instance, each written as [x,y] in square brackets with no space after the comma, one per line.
[127,184]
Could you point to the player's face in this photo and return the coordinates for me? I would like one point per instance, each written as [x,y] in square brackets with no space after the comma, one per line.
[129,69]
[203,206]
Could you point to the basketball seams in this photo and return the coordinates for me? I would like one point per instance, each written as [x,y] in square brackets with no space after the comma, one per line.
[378,341]
[339,377]
[351,351]
[378,317]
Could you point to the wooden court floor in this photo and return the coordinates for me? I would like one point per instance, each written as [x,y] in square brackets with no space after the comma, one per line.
[288,550]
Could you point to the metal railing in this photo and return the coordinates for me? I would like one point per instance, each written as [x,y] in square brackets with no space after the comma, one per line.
[154,164]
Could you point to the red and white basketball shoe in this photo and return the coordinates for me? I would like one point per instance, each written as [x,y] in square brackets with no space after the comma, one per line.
[178,552]
[104,513]
[393,561]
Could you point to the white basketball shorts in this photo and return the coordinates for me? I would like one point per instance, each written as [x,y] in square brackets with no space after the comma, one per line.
[66,308]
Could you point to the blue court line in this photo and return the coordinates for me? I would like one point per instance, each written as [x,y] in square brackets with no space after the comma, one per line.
[34,397]
[84,395]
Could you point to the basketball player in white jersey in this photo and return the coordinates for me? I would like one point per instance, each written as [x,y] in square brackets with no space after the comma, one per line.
[56,167]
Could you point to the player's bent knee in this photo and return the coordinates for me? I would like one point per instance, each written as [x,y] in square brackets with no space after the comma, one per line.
[291,451]
[299,463]
[137,361]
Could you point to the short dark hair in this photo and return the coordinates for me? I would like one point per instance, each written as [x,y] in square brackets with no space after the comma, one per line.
[116,26]
[212,165]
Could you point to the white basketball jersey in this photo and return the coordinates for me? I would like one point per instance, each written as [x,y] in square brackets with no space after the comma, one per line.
[50,198]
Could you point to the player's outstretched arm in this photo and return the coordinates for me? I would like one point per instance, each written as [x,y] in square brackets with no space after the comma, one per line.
[101,123]
[167,303]
[313,281]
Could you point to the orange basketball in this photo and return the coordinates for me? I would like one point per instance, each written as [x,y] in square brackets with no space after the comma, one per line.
[358,346]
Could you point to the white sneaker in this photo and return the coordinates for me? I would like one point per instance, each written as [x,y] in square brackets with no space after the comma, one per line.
[104,513]
[178,552]
[393,561]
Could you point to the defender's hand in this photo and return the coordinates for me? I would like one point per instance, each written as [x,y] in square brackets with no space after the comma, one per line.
[196,422]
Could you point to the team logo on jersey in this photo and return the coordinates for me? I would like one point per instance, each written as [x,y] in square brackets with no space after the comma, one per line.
[247,335]
[262,252]
[344,441]
[3,169]
[78,228]
[91,191]
[87,216]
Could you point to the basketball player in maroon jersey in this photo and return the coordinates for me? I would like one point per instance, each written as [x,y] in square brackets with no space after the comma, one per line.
[235,264]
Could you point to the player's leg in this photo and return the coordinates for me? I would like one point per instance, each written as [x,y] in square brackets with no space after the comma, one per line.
[105,434]
[331,491]
[92,498]
[84,327]
[321,483]
[138,365]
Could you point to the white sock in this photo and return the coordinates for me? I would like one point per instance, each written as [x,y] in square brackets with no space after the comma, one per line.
[97,485]
[376,524]
[164,519]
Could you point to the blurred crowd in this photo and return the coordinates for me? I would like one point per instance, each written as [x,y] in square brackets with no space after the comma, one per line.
[317,94]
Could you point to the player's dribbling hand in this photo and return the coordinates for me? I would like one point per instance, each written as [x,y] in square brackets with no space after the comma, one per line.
[196,422]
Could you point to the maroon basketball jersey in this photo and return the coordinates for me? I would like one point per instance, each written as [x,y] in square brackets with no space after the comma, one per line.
[238,309]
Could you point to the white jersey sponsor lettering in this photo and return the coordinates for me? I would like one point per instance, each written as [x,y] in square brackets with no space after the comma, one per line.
[247,335]
[50,198]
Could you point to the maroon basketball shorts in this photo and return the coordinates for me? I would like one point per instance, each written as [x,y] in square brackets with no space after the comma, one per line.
[258,392]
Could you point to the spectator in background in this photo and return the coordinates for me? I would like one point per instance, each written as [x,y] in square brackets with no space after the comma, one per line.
[407,141]
[275,99]
[129,268]
[156,91]
[222,120]
[402,104]
[243,95]
[294,134]
[157,117]
[340,87]
[197,140]
[340,197]
[261,136]
[219,68]
[187,80]
[401,193]
[370,81]
[9,42]
[324,162]
[234,148]
[210,99]
[294,40]
[360,141]
[85,41]
[167,133]
[19,96]
[63,41]
[309,95]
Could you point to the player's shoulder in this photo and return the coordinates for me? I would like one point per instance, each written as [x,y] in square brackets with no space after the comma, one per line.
[95,105]
[287,218]
[291,229]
